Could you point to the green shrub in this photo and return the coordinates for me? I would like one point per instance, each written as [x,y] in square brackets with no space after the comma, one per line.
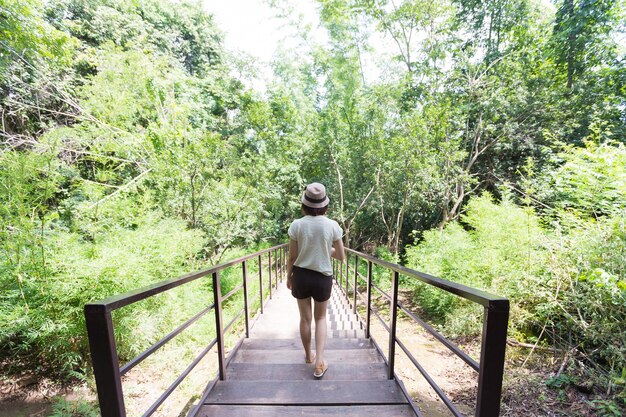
[566,284]
[45,314]
[64,408]
[501,252]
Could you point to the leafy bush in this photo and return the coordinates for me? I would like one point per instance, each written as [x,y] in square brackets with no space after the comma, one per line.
[46,313]
[64,408]
[564,272]
[500,253]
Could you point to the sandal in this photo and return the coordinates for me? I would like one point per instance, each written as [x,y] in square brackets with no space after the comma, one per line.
[320,370]
[311,361]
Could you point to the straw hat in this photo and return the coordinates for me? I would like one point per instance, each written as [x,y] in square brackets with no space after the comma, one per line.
[315,196]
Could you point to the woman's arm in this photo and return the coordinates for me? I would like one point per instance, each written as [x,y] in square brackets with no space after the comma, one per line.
[293,255]
[337,251]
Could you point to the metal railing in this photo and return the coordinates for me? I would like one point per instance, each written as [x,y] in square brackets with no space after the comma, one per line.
[101,332]
[108,373]
[495,322]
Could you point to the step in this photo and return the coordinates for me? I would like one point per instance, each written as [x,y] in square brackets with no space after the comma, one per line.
[285,332]
[306,392]
[296,344]
[350,356]
[309,411]
[344,325]
[342,315]
[349,334]
[304,372]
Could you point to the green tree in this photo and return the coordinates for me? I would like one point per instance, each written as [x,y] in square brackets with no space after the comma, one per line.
[580,34]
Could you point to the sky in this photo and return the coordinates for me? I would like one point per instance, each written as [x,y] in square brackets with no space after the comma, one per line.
[250,26]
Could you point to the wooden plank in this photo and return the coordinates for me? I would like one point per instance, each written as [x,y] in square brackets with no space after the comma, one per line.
[307,392]
[343,325]
[351,356]
[304,372]
[309,411]
[346,334]
[295,344]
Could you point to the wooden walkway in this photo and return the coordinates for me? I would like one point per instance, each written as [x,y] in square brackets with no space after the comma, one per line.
[268,376]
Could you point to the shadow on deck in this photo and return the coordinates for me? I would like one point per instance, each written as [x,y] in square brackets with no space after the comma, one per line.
[268,377]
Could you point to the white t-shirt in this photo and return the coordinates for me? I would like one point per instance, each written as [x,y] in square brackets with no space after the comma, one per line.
[315,236]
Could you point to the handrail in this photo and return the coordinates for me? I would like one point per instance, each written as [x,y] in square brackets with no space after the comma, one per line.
[100,329]
[495,321]
[454,348]
[121,300]
[139,358]
[108,373]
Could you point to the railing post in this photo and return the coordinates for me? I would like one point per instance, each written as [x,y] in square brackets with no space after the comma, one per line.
[338,274]
[356,282]
[492,352]
[276,266]
[104,360]
[347,275]
[261,282]
[245,297]
[341,271]
[392,329]
[368,314]
[282,264]
[269,270]
[219,328]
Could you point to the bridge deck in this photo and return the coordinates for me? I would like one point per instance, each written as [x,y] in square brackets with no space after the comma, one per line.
[268,376]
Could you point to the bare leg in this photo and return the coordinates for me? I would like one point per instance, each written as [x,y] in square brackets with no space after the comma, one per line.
[320,331]
[304,306]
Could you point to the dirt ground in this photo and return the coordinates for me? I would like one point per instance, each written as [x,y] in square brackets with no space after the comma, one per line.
[30,396]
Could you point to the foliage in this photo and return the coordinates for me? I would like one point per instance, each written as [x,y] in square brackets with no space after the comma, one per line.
[47,322]
[563,272]
[131,153]
[590,181]
[64,408]
[140,179]
[501,251]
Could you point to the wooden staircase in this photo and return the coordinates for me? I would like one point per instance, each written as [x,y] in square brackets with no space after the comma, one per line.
[268,376]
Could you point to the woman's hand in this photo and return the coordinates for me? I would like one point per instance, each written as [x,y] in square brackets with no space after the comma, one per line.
[291,258]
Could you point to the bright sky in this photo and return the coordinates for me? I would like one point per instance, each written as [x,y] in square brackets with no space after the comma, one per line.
[250,27]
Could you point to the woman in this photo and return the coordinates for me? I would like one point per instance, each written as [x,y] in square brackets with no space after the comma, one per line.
[313,240]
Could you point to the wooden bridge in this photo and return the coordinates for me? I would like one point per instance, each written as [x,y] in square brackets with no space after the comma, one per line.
[265,374]
[268,377]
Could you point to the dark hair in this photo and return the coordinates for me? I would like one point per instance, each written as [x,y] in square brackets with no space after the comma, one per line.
[314,211]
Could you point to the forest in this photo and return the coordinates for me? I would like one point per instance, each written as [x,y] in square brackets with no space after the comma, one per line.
[483,142]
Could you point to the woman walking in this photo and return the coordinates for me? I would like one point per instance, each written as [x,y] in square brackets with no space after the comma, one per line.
[313,240]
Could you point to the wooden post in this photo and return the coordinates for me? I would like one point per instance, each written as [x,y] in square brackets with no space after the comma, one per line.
[369,299]
[245,297]
[269,270]
[356,282]
[219,328]
[105,361]
[347,275]
[492,352]
[392,329]
[261,282]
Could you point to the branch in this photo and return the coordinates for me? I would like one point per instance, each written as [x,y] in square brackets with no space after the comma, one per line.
[120,189]
[101,183]
[363,202]
[334,162]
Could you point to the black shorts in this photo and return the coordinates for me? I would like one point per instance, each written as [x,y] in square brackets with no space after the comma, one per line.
[308,283]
